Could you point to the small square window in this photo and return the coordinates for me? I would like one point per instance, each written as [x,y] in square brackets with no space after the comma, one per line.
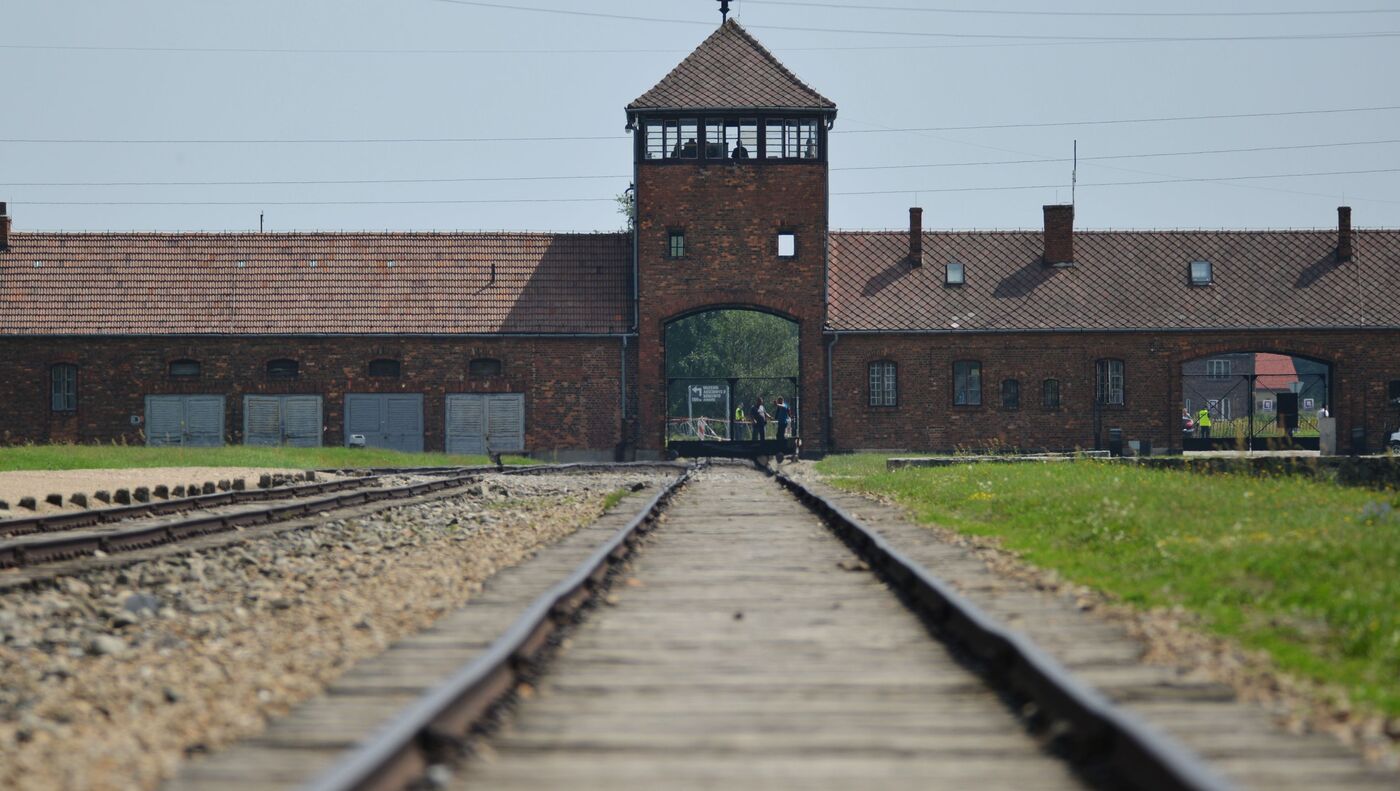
[675,245]
[954,275]
[787,245]
[184,369]
[484,368]
[1201,274]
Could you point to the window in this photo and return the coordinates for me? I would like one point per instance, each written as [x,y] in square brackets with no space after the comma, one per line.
[790,138]
[954,275]
[184,369]
[1050,394]
[787,244]
[882,384]
[483,367]
[1217,369]
[1110,382]
[283,370]
[967,383]
[1201,274]
[675,244]
[1010,394]
[1395,392]
[731,139]
[389,369]
[1219,408]
[673,139]
[64,379]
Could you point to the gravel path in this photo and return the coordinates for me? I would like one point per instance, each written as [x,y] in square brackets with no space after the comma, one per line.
[108,679]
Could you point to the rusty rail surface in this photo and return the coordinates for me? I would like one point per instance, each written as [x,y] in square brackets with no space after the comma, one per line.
[1143,757]
[400,753]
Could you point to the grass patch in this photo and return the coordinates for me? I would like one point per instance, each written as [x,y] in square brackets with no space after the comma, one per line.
[1307,571]
[614,497]
[81,457]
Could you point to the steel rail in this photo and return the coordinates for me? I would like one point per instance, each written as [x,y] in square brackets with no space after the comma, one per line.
[1141,755]
[401,752]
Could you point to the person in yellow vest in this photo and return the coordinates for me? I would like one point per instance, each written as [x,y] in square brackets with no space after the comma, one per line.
[1203,421]
[740,430]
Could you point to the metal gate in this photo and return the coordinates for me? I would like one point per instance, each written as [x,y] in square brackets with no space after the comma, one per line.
[282,420]
[1254,411]
[489,422]
[195,421]
[393,421]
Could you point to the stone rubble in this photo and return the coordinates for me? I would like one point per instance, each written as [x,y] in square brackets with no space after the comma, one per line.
[108,679]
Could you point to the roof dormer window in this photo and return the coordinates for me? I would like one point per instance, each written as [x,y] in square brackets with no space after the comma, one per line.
[954,274]
[1202,273]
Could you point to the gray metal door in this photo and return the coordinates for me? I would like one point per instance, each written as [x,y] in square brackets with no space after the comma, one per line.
[393,421]
[475,422]
[189,420]
[282,420]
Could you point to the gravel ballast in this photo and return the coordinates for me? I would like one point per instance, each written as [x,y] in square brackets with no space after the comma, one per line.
[108,679]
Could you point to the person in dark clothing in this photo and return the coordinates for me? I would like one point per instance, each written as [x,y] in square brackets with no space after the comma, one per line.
[740,152]
[760,419]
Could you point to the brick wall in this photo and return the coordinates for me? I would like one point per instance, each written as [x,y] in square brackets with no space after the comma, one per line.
[926,419]
[571,386]
[731,214]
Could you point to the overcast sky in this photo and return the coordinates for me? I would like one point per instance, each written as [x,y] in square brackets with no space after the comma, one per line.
[405,71]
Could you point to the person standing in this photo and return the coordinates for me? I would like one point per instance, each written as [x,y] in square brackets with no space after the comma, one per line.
[782,416]
[739,427]
[1203,423]
[760,419]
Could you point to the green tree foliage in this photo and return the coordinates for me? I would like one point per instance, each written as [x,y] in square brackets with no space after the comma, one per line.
[758,348]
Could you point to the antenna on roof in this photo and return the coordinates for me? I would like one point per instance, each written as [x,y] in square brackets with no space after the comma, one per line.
[1074,173]
[260,222]
[724,11]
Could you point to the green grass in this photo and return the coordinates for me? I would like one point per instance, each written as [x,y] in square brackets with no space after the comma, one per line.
[78,457]
[1308,572]
[614,497]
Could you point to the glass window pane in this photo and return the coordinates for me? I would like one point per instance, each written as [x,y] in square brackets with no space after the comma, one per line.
[656,139]
[748,139]
[715,140]
[773,138]
[787,245]
[688,139]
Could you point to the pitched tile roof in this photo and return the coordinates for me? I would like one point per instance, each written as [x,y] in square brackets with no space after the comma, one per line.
[1121,280]
[730,69]
[193,283]
[1274,371]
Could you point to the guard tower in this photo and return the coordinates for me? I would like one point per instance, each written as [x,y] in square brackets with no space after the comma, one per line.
[731,187]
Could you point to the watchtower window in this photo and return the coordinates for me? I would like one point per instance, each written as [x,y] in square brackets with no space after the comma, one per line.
[673,139]
[731,139]
[791,138]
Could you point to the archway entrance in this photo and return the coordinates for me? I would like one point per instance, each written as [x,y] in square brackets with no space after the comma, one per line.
[1254,401]
[722,359]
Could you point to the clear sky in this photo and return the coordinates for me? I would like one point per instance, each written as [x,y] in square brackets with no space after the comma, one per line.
[407,71]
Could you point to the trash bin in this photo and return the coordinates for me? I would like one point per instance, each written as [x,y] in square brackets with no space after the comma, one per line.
[1115,442]
[1358,441]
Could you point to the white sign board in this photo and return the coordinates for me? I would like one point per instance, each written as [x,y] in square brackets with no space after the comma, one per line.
[1309,404]
[708,394]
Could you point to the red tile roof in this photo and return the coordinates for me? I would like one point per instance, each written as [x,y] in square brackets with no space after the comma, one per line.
[730,69]
[1121,280]
[1274,371]
[193,283]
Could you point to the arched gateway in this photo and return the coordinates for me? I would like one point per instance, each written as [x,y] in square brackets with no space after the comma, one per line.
[731,191]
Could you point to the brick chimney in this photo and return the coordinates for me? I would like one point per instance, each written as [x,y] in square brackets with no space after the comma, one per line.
[1344,251]
[4,228]
[1059,235]
[916,236]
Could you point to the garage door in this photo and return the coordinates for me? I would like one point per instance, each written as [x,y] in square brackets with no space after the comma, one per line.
[386,421]
[190,420]
[282,420]
[472,419]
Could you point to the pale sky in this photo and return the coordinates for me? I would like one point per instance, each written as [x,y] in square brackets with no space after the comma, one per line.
[173,73]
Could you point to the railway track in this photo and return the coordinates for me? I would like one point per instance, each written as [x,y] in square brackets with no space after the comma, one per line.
[747,648]
[38,540]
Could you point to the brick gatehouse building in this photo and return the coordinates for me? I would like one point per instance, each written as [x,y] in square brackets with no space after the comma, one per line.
[554,343]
